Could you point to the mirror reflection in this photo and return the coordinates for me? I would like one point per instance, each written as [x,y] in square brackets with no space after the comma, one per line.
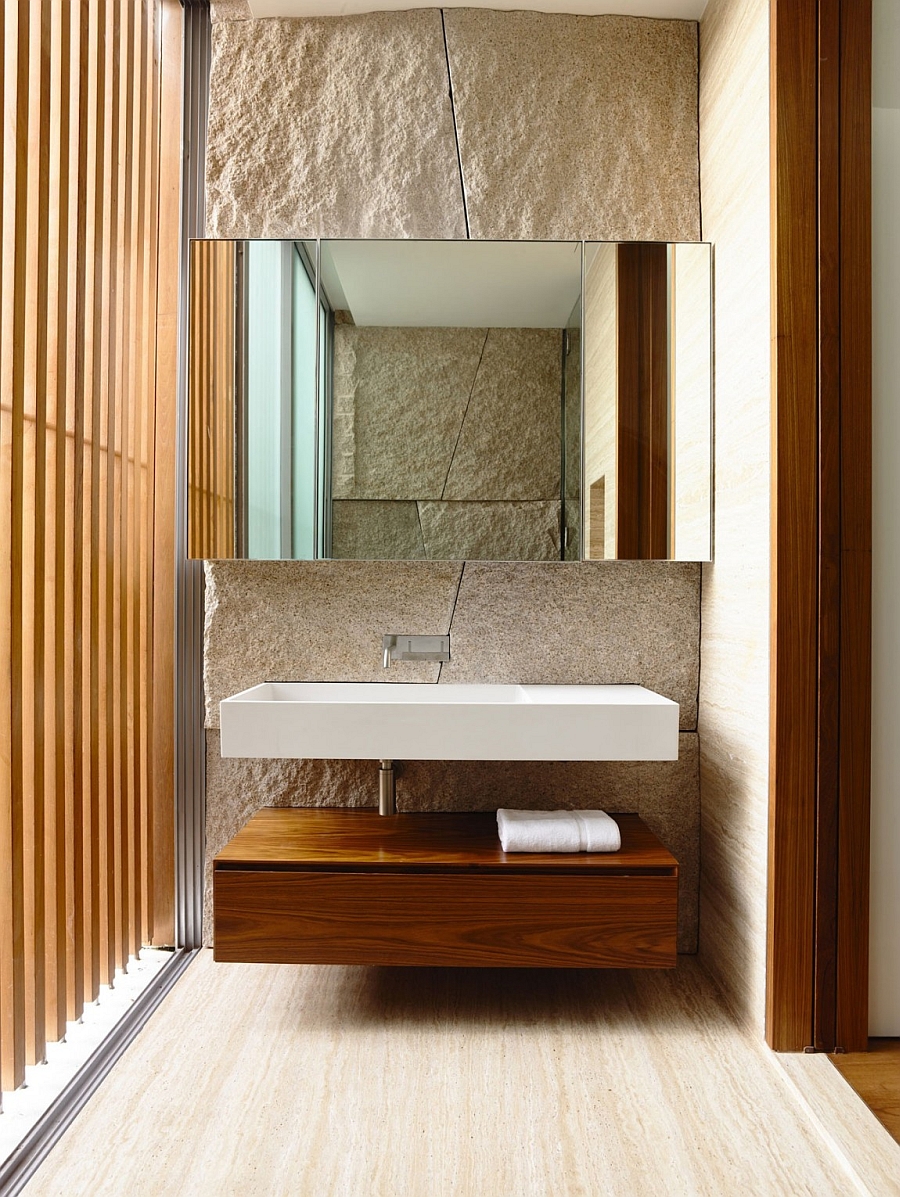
[444,400]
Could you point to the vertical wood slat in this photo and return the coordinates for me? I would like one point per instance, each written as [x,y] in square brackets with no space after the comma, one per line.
[792,755]
[7,909]
[211,399]
[851,1032]
[87,381]
[12,917]
[829,517]
[34,496]
[56,739]
[165,230]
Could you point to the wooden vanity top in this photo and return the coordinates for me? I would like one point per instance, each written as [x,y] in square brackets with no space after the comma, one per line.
[347,840]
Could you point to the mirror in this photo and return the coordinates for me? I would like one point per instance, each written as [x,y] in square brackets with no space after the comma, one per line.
[448,399]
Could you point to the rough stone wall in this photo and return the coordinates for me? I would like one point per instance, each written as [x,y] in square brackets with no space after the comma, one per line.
[559,127]
[519,125]
[446,443]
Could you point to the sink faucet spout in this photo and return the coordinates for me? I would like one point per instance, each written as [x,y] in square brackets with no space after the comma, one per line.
[415,648]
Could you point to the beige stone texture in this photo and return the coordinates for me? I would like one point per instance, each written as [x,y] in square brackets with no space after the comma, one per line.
[453,413]
[376,530]
[509,443]
[664,793]
[734,675]
[690,398]
[576,126]
[600,401]
[490,531]
[400,398]
[230,10]
[317,620]
[263,1080]
[585,623]
[333,128]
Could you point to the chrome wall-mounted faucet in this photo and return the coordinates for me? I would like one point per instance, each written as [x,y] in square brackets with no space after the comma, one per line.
[415,648]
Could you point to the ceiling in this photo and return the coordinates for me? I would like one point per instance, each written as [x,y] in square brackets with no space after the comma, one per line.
[689,10]
[454,284]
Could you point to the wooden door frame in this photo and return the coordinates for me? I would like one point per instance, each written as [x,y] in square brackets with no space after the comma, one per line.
[818,876]
[642,436]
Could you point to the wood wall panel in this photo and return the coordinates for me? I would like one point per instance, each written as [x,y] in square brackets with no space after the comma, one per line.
[821,512]
[87,378]
[794,646]
[855,188]
[642,530]
[211,399]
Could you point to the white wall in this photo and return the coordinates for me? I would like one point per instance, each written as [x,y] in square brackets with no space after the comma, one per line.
[884,1001]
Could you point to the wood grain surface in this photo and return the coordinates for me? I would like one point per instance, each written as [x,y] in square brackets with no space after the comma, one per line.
[821,525]
[875,1076]
[642,472]
[315,838]
[84,251]
[279,917]
[350,887]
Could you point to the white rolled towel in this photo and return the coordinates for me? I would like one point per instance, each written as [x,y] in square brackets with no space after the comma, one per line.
[557,831]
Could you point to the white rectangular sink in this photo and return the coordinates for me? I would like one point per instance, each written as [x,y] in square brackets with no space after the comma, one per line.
[429,722]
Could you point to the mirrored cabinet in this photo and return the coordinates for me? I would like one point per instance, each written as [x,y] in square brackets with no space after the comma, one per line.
[541,401]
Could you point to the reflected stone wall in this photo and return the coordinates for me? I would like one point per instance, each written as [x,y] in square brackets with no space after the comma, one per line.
[446,443]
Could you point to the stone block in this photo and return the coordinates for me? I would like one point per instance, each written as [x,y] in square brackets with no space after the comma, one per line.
[332,127]
[593,622]
[576,127]
[376,530]
[509,444]
[311,621]
[490,531]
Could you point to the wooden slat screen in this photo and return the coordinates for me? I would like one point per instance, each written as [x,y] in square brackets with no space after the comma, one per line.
[211,400]
[87,396]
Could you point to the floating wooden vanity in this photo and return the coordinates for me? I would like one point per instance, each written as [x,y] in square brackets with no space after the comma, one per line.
[299,886]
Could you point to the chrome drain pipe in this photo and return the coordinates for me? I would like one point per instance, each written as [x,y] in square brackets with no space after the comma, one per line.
[387,789]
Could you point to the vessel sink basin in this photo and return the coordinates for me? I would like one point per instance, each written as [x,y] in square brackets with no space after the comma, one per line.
[430,722]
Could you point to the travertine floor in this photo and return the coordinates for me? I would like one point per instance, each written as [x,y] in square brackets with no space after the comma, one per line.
[267,1079]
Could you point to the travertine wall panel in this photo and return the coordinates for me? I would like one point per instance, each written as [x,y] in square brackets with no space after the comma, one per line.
[734,676]
[333,128]
[665,794]
[576,126]
[600,399]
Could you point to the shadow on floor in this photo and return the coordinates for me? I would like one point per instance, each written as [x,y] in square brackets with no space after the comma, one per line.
[446,999]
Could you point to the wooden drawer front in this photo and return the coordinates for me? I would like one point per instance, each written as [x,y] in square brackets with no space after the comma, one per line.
[286,917]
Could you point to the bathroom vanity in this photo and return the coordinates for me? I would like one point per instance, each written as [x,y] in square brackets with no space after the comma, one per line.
[318,886]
